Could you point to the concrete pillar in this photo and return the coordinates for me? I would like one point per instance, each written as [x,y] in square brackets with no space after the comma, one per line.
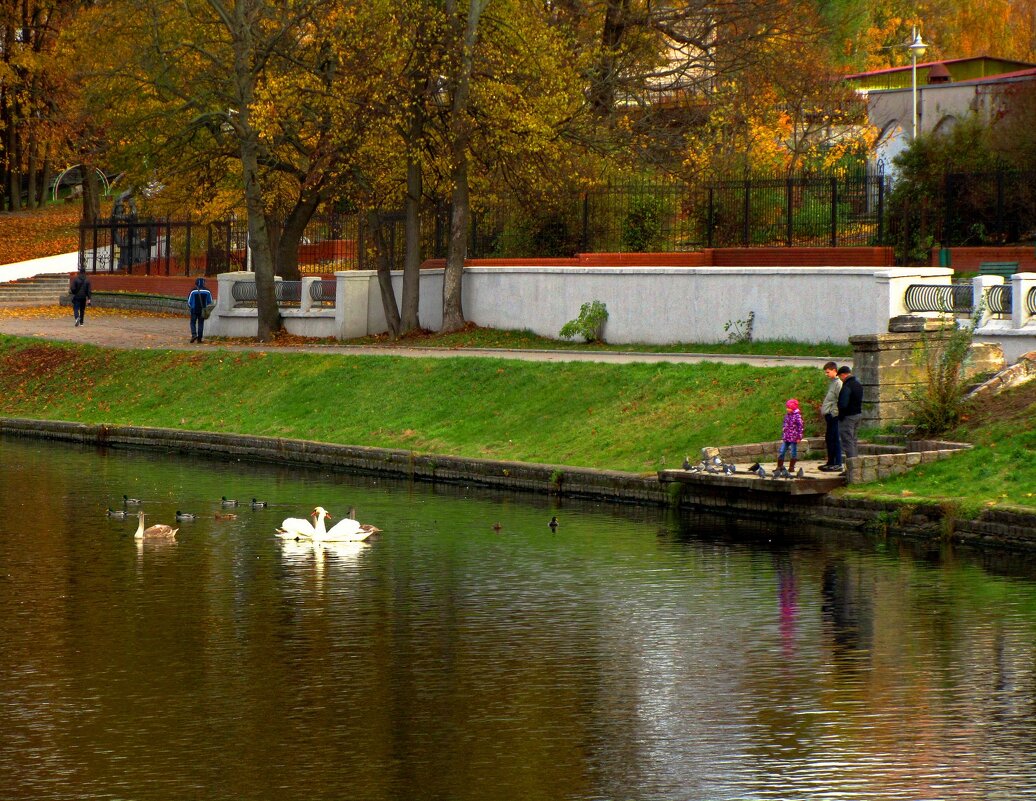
[306,301]
[890,366]
[1021,285]
[979,285]
[225,297]
[352,300]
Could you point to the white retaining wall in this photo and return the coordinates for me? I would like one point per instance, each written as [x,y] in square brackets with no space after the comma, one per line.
[645,304]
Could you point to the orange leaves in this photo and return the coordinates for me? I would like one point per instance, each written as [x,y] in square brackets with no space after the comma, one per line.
[28,235]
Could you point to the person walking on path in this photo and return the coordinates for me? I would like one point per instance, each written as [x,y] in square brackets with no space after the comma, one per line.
[791,434]
[829,408]
[79,289]
[197,302]
[850,410]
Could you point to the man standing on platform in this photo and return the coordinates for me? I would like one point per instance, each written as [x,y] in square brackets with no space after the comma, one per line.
[850,411]
[829,408]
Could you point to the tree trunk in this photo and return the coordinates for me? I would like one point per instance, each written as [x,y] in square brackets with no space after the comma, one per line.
[32,199]
[412,253]
[460,138]
[452,281]
[291,234]
[48,175]
[388,293]
[91,194]
[14,178]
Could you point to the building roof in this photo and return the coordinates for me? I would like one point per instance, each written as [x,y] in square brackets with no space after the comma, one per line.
[975,68]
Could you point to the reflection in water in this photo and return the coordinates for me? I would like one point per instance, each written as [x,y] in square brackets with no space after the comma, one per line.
[629,655]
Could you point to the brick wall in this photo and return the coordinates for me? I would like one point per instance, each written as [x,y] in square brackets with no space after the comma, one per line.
[968,260]
[173,286]
[708,257]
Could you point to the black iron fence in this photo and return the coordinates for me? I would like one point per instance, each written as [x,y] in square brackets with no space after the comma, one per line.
[803,210]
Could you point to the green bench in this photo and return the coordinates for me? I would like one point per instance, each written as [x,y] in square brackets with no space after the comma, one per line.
[1002,268]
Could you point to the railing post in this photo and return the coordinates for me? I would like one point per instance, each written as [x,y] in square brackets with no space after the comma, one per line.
[881,209]
[710,218]
[1021,285]
[746,233]
[834,212]
[187,249]
[979,285]
[790,197]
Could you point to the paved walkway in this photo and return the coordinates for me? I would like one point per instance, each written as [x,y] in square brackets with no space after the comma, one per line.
[113,330]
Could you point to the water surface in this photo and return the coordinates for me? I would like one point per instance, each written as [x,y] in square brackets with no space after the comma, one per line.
[631,655]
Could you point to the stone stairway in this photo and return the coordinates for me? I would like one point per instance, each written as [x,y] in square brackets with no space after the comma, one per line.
[42,290]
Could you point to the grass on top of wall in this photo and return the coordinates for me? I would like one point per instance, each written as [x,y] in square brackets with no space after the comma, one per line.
[626,417]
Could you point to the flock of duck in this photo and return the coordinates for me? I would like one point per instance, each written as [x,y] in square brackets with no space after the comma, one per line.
[294,528]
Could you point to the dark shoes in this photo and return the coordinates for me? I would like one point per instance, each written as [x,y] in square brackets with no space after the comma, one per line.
[195,339]
[830,468]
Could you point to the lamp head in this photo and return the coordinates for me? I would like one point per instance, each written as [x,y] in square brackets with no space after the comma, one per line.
[918,46]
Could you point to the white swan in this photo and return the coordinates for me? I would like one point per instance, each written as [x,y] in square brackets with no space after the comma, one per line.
[295,527]
[159,531]
[345,530]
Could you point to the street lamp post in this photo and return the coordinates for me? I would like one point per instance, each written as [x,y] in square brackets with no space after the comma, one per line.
[917,49]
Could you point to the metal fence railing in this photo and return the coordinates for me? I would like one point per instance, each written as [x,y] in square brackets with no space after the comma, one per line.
[947,298]
[999,299]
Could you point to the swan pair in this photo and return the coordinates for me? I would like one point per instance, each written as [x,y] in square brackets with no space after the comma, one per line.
[347,530]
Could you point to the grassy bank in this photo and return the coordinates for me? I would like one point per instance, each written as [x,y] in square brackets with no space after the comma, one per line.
[626,417]
[999,471]
[48,231]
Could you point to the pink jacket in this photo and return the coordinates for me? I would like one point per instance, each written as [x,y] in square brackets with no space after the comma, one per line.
[793,426]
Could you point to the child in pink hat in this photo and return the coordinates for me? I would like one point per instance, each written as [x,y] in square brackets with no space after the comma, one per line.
[792,436]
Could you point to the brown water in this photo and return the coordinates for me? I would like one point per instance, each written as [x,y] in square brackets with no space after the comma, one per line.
[630,655]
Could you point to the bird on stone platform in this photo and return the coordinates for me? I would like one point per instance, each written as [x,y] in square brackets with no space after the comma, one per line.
[800,474]
[761,472]
[686,463]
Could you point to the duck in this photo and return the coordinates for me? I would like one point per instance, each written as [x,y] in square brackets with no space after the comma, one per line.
[553,524]
[159,531]
[497,528]
[225,501]
[258,504]
[185,515]
[116,514]
[128,501]
[226,516]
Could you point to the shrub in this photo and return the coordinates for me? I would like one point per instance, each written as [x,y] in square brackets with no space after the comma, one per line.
[642,226]
[936,405]
[589,323]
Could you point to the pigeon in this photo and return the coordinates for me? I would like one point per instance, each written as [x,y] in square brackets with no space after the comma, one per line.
[686,463]
[800,474]
[761,472]
[553,524]
[728,469]
[733,468]
[716,460]
[754,468]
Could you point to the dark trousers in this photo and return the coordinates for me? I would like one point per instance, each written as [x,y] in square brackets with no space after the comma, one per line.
[79,308]
[834,446]
[197,325]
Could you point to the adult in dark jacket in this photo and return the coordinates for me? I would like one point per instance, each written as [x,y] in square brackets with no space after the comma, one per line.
[850,411]
[199,298]
[79,289]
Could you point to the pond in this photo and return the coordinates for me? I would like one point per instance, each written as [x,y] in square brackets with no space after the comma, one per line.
[629,655]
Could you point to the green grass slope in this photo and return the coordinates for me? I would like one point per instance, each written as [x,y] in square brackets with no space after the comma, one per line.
[626,417]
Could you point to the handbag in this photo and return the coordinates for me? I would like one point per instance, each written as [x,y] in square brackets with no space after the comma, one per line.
[207,311]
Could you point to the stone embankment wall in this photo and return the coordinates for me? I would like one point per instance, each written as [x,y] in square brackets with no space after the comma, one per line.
[926,520]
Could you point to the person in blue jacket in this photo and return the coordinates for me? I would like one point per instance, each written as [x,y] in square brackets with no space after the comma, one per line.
[199,298]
